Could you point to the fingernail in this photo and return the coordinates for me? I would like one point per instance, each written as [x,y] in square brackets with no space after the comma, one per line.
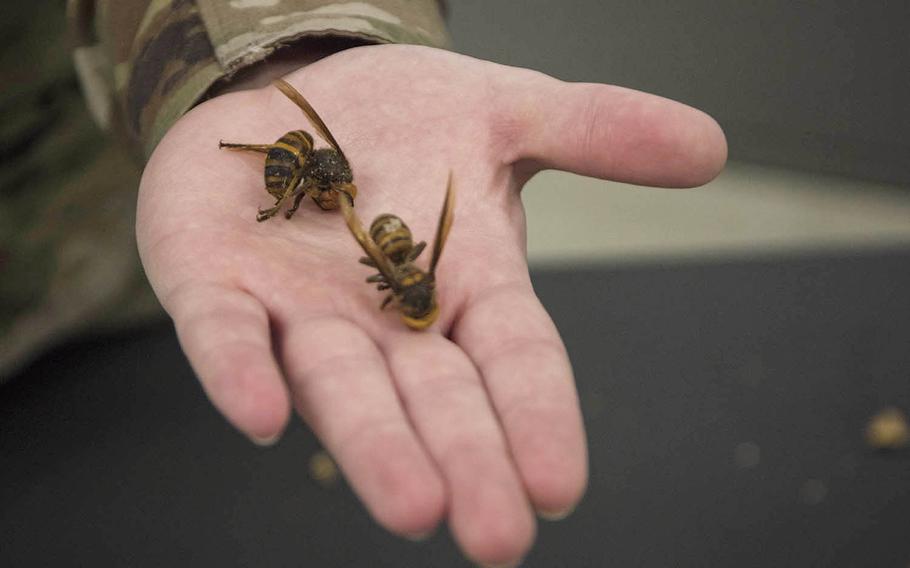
[555,515]
[264,441]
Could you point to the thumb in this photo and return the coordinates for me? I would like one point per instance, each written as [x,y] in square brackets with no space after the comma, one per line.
[611,133]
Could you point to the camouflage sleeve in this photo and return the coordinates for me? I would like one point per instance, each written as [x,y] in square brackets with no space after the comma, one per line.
[149,61]
[68,260]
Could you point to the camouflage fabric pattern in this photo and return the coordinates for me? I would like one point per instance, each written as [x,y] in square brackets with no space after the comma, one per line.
[68,260]
[160,57]
[229,25]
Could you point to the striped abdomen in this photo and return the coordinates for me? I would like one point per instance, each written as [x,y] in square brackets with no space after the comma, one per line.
[392,237]
[285,159]
[416,295]
[409,275]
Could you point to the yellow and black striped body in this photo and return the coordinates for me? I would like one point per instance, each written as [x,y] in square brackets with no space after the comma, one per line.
[409,276]
[390,248]
[392,237]
[285,160]
[416,294]
[412,287]
[294,169]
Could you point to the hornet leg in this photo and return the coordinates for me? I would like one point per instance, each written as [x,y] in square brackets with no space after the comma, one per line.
[415,252]
[290,212]
[264,148]
[270,212]
[301,191]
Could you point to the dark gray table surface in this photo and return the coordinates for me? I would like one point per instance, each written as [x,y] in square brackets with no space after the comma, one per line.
[111,455]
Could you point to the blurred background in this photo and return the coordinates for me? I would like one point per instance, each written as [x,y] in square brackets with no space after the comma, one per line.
[812,97]
[732,344]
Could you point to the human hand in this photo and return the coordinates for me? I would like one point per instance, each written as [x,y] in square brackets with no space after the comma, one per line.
[475,420]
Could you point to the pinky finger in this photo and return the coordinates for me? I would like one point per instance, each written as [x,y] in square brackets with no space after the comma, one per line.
[225,335]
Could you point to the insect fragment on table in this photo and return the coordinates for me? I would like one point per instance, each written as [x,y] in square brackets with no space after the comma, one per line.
[390,249]
[294,169]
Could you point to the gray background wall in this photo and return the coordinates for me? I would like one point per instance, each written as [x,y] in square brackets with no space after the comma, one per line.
[822,86]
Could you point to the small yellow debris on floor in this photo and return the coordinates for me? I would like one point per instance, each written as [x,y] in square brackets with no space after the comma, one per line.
[323,469]
[888,430]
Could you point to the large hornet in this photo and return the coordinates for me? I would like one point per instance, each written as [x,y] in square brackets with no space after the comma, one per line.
[390,248]
[293,169]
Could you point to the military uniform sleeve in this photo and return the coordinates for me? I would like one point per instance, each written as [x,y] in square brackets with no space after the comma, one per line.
[144,63]
[68,260]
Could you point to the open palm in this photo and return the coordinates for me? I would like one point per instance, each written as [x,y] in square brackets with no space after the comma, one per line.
[476,419]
